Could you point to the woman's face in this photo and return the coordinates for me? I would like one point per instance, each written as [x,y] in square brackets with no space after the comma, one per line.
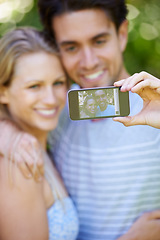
[91,106]
[37,92]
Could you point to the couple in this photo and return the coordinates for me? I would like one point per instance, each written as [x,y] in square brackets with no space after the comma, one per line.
[111,172]
[96,105]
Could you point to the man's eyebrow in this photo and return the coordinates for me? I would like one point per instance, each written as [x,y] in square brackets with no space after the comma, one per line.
[101,35]
[65,43]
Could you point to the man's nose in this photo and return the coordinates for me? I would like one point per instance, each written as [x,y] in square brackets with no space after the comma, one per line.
[89,59]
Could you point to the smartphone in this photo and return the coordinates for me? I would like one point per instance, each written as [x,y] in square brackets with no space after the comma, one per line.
[92,103]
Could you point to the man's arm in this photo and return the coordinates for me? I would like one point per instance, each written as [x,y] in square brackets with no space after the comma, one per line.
[147,227]
[148,88]
[22,148]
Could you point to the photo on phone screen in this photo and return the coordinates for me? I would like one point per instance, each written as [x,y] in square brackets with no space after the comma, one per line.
[98,103]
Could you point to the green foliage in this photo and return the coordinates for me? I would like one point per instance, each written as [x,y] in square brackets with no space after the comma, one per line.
[31,18]
[143,48]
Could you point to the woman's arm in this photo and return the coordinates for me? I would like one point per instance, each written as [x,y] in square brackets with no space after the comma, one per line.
[148,88]
[22,206]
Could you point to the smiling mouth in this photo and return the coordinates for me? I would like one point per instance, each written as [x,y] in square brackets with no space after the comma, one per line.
[94,76]
[47,112]
[102,104]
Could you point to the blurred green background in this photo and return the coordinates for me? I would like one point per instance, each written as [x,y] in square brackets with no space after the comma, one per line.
[143,49]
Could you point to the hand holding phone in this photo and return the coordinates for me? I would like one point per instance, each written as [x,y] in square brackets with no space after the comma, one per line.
[95,103]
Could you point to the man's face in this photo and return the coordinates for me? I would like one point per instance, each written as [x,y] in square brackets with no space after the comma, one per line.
[90,47]
[101,99]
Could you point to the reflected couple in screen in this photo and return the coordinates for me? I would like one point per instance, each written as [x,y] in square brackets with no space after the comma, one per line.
[97,103]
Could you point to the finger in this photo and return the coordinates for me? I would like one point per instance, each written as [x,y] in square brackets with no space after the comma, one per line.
[37,175]
[130,82]
[1,154]
[123,84]
[28,159]
[30,171]
[40,156]
[119,83]
[13,147]
[27,169]
[153,84]
[39,161]
[126,83]
[153,215]
[33,154]
[145,75]
[34,170]
[137,78]
[24,151]
[24,170]
[126,121]
[40,167]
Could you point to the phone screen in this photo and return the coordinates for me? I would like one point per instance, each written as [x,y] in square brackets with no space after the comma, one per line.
[98,103]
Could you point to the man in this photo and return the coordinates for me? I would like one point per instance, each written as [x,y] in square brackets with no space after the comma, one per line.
[105,109]
[111,172]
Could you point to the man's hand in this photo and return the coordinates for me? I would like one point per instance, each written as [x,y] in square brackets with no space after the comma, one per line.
[21,148]
[147,227]
[148,88]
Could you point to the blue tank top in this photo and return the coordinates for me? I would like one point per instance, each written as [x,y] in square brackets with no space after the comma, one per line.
[62,216]
[62,220]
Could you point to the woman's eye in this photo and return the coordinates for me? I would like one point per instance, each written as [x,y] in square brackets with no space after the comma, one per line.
[34,86]
[58,83]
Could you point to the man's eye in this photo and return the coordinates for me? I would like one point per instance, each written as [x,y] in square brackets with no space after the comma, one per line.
[99,42]
[70,49]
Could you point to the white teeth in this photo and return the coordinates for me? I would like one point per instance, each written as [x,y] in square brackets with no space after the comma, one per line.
[47,112]
[95,75]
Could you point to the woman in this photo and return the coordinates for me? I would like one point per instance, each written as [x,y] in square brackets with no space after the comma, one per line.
[33,89]
[89,107]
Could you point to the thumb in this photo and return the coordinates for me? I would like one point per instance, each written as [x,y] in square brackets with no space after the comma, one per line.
[129,120]
[154,215]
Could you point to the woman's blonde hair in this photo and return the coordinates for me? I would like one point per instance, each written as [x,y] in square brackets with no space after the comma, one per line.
[13,45]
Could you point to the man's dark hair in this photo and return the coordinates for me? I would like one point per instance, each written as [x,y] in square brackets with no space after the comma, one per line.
[104,90]
[48,9]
